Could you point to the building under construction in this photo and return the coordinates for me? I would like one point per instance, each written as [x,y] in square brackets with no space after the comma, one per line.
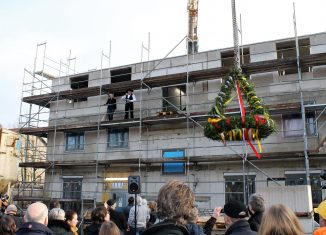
[89,157]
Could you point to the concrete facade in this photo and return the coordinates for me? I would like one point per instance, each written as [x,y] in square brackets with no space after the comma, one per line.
[209,180]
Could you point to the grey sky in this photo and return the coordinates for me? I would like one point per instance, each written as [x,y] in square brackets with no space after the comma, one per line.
[86,27]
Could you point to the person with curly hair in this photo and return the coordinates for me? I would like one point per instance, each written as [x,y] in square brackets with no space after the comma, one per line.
[281,220]
[99,216]
[7,225]
[177,211]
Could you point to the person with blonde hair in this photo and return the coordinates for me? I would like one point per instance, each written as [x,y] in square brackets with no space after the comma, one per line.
[281,220]
[109,228]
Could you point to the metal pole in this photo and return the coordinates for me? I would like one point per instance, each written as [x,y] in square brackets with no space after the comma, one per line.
[235,37]
[303,114]
[135,219]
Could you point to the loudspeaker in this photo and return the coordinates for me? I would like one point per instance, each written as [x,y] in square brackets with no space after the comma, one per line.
[134,184]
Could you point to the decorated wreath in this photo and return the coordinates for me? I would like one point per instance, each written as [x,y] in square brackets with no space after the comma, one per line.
[253,125]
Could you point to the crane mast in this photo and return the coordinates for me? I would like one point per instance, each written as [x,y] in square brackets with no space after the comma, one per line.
[192,26]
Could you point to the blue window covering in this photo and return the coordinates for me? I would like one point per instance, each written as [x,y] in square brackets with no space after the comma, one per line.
[174,167]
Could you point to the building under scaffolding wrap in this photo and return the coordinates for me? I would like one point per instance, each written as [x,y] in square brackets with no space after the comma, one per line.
[88,156]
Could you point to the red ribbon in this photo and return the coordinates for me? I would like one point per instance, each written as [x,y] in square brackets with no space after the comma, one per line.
[243,113]
[260,120]
[242,109]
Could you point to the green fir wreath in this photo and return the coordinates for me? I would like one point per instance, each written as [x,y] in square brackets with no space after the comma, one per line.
[255,125]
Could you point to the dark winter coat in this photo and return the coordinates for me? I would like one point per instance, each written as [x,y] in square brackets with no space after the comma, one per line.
[255,221]
[32,228]
[93,228]
[126,210]
[166,228]
[240,227]
[119,219]
[59,227]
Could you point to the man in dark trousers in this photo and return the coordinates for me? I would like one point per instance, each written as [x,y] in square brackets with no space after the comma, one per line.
[129,98]
[112,106]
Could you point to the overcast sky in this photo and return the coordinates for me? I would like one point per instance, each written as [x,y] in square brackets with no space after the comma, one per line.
[86,28]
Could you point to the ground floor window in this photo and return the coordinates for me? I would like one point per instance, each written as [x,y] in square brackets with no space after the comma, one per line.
[299,178]
[72,187]
[239,187]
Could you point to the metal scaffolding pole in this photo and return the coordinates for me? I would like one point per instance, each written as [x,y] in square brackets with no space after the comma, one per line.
[303,114]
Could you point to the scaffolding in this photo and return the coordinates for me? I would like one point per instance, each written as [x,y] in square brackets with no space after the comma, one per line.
[55,108]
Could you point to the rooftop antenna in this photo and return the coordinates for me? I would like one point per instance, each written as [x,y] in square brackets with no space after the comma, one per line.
[192,26]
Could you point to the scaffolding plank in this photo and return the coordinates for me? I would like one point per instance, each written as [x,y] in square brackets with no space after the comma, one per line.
[172,79]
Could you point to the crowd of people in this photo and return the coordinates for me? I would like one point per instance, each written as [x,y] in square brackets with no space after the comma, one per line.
[174,212]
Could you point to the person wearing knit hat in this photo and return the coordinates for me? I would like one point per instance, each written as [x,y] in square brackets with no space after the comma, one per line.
[11,211]
[235,213]
[321,210]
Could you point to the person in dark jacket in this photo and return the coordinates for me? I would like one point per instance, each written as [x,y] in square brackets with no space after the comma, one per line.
[179,215]
[126,210]
[129,98]
[36,219]
[99,215]
[235,212]
[117,217]
[112,106]
[57,222]
[256,208]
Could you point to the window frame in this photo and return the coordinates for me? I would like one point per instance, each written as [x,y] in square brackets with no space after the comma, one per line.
[118,131]
[250,181]
[72,194]
[76,145]
[183,170]
[311,127]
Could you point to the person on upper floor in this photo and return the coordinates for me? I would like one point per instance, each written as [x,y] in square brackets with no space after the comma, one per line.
[129,98]
[112,106]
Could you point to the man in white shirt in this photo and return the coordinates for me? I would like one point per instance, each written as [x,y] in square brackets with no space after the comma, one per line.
[130,98]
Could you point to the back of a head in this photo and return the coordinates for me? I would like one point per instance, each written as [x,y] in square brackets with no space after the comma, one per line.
[280,220]
[257,202]
[57,214]
[109,228]
[144,202]
[131,200]
[176,202]
[99,214]
[54,203]
[37,212]
[7,225]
